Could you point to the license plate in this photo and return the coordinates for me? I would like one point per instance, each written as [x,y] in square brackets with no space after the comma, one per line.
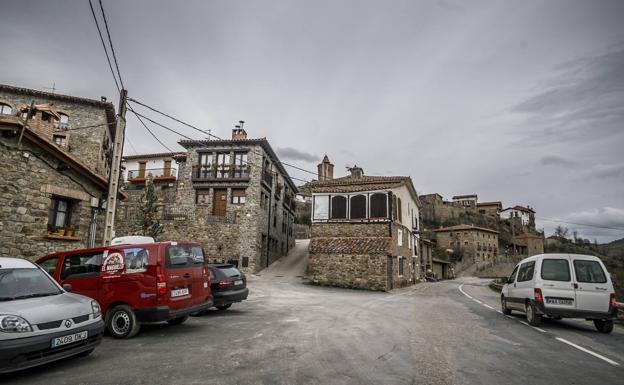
[179,292]
[238,282]
[69,339]
[559,301]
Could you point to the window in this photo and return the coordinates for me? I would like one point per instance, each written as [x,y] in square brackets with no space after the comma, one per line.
[83,264]
[201,196]
[338,207]
[400,209]
[400,265]
[321,207]
[400,237]
[513,275]
[240,165]
[206,168]
[135,259]
[379,206]
[589,271]
[184,256]
[5,109]
[526,271]
[223,165]
[245,262]
[238,196]
[358,207]
[49,265]
[63,121]
[60,140]
[394,207]
[556,270]
[59,214]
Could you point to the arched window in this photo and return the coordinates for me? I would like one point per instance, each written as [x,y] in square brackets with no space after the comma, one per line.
[5,109]
[358,207]
[339,207]
[379,205]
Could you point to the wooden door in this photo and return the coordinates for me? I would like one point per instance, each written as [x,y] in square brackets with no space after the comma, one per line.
[142,169]
[219,202]
[167,170]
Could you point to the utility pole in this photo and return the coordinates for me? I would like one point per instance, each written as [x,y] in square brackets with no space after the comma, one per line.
[113,178]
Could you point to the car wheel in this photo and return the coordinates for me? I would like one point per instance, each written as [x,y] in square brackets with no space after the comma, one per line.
[224,307]
[504,307]
[121,322]
[532,317]
[603,326]
[177,321]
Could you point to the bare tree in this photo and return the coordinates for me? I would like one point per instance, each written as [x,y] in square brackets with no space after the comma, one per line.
[561,231]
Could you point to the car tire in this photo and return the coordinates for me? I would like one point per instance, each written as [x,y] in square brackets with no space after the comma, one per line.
[177,321]
[504,308]
[603,326]
[533,318]
[121,322]
[224,307]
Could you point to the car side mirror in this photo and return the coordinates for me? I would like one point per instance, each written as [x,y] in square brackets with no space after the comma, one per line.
[67,287]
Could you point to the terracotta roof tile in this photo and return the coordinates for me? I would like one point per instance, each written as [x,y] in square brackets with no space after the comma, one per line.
[344,245]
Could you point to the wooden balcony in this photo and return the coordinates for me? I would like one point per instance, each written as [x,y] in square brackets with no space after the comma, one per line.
[156,174]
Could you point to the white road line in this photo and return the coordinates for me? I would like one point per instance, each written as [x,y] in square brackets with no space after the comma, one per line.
[488,306]
[588,351]
[538,329]
[499,312]
[463,292]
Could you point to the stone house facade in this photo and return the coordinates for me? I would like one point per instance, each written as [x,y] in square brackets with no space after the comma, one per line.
[56,159]
[467,201]
[490,208]
[234,196]
[470,244]
[364,231]
[529,244]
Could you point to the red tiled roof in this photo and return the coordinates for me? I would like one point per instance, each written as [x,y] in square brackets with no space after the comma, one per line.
[365,183]
[520,208]
[344,245]
[465,228]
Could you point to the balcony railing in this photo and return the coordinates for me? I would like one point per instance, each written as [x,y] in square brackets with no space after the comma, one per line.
[155,173]
[225,171]
[267,178]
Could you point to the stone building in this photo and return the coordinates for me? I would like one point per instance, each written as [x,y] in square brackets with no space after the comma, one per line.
[364,230]
[470,244]
[466,201]
[525,214]
[529,244]
[234,196]
[54,172]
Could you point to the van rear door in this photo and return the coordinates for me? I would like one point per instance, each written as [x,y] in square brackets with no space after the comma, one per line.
[557,284]
[179,270]
[594,286]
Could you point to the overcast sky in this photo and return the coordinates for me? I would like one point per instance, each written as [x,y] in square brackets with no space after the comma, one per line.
[518,101]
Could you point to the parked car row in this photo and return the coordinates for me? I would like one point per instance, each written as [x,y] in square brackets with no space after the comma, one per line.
[61,305]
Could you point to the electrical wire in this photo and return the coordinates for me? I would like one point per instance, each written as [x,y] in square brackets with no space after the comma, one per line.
[131,145]
[580,224]
[110,41]
[148,130]
[110,65]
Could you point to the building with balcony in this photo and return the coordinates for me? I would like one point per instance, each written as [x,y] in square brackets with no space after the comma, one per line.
[365,230]
[234,196]
[159,167]
[56,155]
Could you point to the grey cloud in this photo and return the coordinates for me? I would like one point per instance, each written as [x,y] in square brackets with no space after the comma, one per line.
[585,97]
[604,171]
[556,160]
[295,154]
[601,216]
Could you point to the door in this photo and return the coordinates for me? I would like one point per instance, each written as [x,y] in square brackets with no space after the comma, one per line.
[219,202]
[82,272]
[185,275]
[524,284]
[389,273]
[141,169]
[167,170]
[557,284]
[511,288]
[593,286]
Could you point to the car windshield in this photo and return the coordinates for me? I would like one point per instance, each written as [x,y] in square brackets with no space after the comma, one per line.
[25,283]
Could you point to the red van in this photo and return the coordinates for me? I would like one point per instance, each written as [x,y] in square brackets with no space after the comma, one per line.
[137,283]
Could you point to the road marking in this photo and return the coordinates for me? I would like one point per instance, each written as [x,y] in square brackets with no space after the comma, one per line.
[587,351]
[463,292]
[538,329]
[488,306]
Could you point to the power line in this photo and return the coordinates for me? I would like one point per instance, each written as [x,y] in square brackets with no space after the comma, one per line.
[162,125]
[580,224]
[110,65]
[110,41]
[131,145]
[212,135]
[148,130]
[91,126]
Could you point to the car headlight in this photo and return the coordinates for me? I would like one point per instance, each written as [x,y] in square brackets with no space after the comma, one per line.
[95,307]
[14,324]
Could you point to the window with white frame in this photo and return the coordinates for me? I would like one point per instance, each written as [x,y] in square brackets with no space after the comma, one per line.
[400,265]
[5,109]
[400,237]
[321,207]
[379,205]
[339,207]
[358,207]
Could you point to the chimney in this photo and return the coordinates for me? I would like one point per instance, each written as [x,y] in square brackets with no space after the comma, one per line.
[356,172]
[325,170]
[103,98]
[239,133]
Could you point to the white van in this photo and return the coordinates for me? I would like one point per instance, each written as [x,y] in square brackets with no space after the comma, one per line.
[561,285]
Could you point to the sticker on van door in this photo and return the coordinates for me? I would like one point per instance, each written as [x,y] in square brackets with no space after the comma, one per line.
[113,263]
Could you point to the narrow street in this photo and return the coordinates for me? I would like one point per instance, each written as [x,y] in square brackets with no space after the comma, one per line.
[290,332]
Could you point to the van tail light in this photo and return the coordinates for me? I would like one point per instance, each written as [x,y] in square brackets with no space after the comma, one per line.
[161,284]
[612,303]
[223,284]
[537,293]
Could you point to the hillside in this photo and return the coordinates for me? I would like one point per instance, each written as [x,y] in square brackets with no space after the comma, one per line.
[611,254]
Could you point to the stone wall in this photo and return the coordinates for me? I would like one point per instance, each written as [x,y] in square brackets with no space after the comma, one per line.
[350,229]
[30,177]
[349,271]
[465,243]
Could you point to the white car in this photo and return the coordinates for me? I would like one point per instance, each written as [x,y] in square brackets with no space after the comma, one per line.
[40,321]
[561,286]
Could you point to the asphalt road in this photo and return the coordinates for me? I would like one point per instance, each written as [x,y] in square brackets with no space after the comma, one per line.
[289,332]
